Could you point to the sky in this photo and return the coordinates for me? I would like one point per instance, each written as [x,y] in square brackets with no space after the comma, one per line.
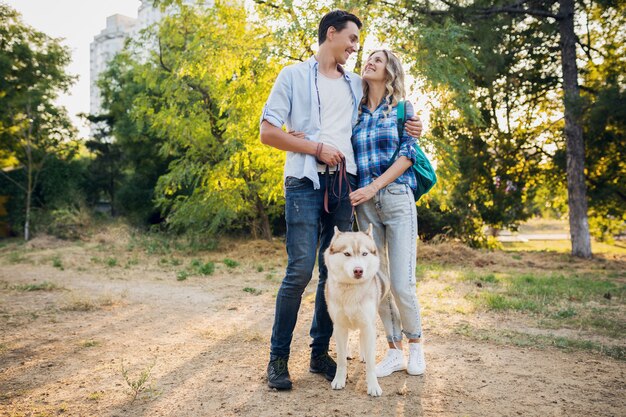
[77,22]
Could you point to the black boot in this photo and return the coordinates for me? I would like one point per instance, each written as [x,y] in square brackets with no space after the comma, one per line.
[278,374]
[323,364]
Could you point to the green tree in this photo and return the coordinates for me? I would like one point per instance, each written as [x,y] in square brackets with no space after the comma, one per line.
[557,20]
[128,157]
[33,129]
[196,101]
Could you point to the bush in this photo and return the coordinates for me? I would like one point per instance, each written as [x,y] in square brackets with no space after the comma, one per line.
[57,205]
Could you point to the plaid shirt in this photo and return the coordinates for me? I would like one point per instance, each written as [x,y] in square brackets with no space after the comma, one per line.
[375,139]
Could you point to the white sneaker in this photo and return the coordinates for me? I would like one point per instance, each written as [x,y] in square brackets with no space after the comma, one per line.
[417,363]
[392,362]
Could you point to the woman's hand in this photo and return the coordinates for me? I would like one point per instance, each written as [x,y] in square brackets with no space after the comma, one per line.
[300,135]
[363,195]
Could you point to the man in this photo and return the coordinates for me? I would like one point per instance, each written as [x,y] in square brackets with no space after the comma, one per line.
[320,99]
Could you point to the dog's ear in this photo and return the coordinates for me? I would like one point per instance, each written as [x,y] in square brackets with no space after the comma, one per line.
[337,232]
[370,229]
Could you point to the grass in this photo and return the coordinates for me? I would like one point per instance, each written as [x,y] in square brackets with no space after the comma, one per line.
[542,292]
[510,337]
[132,262]
[89,343]
[559,300]
[95,396]
[42,286]
[563,246]
[586,302]
[206,269]
[182,275]
[159,243]
[138,383]
[230,263]
[252,291]
[16,258]
[80,304]
[56,262]
[481,277]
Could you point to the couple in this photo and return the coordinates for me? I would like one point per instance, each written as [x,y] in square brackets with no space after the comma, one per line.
[337,120]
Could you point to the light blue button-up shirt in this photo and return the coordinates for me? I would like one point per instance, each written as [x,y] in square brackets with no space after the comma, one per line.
[295,102]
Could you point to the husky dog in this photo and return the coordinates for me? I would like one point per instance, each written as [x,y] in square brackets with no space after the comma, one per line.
[354,290]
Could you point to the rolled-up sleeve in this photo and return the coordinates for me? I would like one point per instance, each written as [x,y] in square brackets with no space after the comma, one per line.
[407,141]
[278,106]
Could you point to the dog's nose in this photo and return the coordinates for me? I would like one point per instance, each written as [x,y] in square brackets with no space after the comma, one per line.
[358,272]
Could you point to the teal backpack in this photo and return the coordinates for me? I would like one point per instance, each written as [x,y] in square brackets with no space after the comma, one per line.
[422,169]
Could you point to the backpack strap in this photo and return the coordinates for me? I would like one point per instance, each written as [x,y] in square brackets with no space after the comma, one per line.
[401,120]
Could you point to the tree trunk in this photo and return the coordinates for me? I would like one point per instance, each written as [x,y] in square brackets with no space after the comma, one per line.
[576,187]
[264,221]
[29,187]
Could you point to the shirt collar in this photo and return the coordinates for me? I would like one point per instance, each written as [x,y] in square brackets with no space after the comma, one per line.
[314,64]
[384,102]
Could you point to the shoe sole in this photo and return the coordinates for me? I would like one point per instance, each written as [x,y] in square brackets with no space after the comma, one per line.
[314,371]
[417,373]
[386,375]
[279,387]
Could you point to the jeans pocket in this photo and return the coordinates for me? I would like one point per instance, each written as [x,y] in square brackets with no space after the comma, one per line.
[397,189]
[293,183]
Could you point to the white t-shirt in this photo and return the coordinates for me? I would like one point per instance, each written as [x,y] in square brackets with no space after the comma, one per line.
[337,103]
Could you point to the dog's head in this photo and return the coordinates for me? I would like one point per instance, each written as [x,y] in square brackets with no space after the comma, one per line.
[352,257]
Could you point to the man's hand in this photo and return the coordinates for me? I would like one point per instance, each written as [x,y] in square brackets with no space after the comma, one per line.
[329,155]
[413,126]
[362,195]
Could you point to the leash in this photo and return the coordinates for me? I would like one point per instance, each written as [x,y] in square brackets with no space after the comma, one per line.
[341,175]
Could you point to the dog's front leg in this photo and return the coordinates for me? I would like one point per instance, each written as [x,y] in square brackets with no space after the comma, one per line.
[369,351]
[341,340]
[362,343]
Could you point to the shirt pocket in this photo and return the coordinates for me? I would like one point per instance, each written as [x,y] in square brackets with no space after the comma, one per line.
[386,123]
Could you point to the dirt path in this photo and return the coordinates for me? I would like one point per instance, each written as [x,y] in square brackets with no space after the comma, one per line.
[61,351]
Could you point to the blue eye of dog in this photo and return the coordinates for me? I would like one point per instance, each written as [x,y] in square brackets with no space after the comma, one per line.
[347,253]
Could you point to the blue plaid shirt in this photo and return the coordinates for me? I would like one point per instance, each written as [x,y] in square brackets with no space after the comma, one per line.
[375,139]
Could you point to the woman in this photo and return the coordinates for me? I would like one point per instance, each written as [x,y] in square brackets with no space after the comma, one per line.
[385,199]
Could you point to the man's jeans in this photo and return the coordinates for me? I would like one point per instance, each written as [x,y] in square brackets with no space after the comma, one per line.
[307,226]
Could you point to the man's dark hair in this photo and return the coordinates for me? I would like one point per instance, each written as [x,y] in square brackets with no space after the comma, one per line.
[339,20]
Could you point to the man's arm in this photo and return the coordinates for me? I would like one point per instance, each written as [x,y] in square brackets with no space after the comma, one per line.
[279,139]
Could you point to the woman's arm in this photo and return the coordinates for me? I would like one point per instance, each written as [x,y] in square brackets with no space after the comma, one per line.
[405,159]
[390,175]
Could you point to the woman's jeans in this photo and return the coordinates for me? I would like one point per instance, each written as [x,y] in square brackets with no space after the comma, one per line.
[309,227]
[393,216]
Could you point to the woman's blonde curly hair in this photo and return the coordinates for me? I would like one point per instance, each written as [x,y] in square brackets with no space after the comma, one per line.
[394,81]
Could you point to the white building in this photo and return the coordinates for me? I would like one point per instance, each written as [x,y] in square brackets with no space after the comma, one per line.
[104,47]
[111,40]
